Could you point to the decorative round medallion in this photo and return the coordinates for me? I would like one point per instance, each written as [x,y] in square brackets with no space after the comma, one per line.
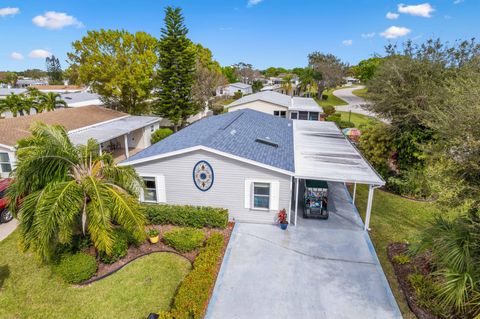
[203,176]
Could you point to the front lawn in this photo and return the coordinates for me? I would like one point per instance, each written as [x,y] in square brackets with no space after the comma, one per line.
[357,119]
[394,219]
[360,92]
[28,290]
[332,100]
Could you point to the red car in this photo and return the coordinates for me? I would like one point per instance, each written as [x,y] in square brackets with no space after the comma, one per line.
[5,215]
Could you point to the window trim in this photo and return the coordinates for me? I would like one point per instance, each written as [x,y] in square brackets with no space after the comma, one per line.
[9,163]
[269,196]
[142,193]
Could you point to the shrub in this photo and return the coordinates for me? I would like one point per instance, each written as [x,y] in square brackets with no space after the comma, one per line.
[345,124]
[193,293]
[401,259]
[324,97]
[152,232]
[328,110]
[184,239]
[426,294]
[76,268]
[335,117]
[190,216]
[121,240]
[411,183]
[160,134]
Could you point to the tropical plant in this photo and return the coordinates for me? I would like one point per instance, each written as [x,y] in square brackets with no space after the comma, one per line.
[455,250]
[309,81]
[17,104]
[65,189]
[287,86]
[51,101]
[160,134]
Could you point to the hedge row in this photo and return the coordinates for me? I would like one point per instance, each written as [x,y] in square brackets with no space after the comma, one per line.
[194,291]
[190,216]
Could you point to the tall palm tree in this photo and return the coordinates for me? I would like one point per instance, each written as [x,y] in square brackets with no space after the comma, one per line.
[309,81]
[50,101]
[64,189]
[287,86]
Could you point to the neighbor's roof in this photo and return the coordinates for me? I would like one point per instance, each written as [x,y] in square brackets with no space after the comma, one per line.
[240,85]
[13,129]
[7,91]
[235,133]
[292,103]
[322,152]
[106,131]
[81,99]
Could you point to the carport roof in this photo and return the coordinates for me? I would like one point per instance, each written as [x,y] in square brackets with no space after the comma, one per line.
[323,153]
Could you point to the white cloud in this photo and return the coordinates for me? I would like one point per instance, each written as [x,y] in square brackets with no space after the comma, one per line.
[395,32]
[16,56]
[8,11]
[252,3]
[39,54]
[347,42]
[420,10]
[56,20]
[368,35]
[458,1]
[392,15]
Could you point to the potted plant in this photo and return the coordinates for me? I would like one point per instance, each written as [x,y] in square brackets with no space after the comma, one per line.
[282,219]
[153,235]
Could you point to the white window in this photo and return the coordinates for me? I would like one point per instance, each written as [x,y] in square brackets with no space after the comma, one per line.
[150,191]
[261,195]
[5,165]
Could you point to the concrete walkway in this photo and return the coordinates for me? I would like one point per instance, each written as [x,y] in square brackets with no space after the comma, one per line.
[317,269]
[8,228]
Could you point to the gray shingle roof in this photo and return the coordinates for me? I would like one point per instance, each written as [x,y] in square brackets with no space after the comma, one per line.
[234,133]
[240,85]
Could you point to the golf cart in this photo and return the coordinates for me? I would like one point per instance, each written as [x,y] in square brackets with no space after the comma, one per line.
[5,215]
[315,199]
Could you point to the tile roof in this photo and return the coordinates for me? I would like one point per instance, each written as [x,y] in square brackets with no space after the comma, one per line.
[234,133]
[13,129]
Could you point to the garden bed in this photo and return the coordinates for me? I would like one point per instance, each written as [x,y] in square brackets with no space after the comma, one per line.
[416,265]
[147,248]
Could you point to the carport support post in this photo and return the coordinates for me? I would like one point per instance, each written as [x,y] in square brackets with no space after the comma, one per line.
[100,149]
[369,206]
[296,200]
[125,139]
[354,192]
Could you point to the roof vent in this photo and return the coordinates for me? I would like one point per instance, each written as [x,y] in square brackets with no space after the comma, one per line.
[266,141]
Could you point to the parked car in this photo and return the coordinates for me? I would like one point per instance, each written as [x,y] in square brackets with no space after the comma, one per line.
[5,215]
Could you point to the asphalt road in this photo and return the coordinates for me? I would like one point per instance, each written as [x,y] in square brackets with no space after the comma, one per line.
[355,103]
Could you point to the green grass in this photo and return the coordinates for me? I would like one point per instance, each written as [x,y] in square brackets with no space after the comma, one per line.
[332,100]
[29,290]
[357,119]
[394,219]
[361,93]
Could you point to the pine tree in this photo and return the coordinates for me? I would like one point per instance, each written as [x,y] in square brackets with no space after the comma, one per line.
[54,70]
[177,70]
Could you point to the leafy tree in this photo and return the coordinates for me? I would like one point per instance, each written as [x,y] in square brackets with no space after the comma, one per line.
[50,101]
[71,75]
[33,73]
[160,134]
[229,73]
[330,67]
[208,76]
[257,86]
[67,189]
[365,69]
[119,66]
[245,72]
[377,146]
[54,70]
[309,79]
[237,95]
[11,78]
[177,71]
[273,71]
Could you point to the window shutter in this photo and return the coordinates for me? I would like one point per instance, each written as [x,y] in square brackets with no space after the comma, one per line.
[274,195]
[161,190]
[248,193]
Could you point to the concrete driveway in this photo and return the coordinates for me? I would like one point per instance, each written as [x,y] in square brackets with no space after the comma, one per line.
[8,228]
[317,269]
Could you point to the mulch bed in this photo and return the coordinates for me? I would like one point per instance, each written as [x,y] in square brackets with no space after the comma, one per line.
[147,248]
[419,265]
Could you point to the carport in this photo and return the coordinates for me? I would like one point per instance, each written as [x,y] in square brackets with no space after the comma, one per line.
[323,153]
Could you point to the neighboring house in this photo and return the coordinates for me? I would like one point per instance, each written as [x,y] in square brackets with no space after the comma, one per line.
[232,88]
[26,82]
[118,133]
[78,99]
[278,104]
[351,80]
[250,163]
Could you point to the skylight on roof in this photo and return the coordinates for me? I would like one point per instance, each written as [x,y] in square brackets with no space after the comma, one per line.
[266,142]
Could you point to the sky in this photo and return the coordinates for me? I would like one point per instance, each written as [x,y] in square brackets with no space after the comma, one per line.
[260,32]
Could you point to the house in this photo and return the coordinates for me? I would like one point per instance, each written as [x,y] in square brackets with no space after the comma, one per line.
[250,163]
[79,99]
[278,104]
[350,80]
[232,88]
[118,133]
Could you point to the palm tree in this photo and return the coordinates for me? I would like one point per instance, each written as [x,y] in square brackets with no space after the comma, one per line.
[16,104]
[309,81]
[65,189]
[287,86]
[50,101]
[455,250]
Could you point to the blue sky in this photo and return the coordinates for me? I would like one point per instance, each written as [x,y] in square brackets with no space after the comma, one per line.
[261,32]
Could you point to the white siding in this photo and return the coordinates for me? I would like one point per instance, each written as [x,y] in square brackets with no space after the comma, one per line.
[260,106]
[12,158]
[229,187]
